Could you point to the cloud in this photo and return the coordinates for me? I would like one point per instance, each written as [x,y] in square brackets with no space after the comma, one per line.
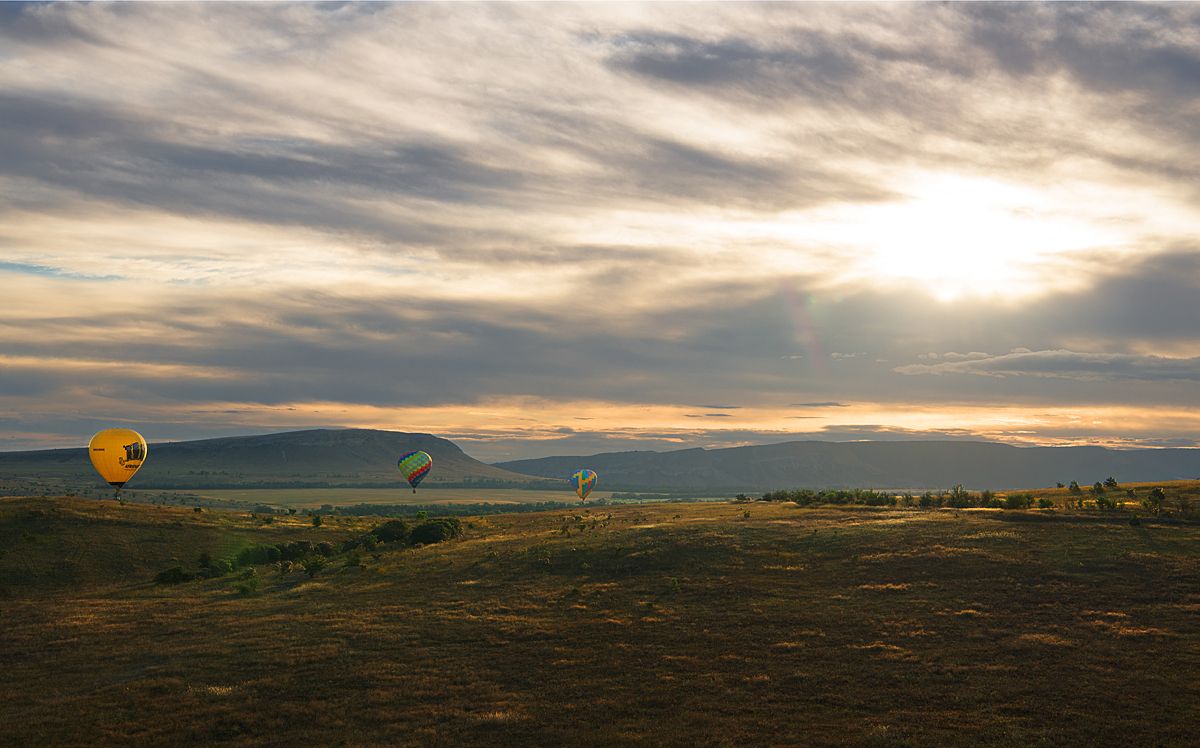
[824,404]
[294,214]
[1067,365]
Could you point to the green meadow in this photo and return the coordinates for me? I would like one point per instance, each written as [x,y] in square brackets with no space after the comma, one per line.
[674,624]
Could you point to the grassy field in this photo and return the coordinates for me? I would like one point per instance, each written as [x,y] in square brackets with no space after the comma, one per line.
[307,498]
[677,624]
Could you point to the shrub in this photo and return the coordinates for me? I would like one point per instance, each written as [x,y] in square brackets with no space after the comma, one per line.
[1110,482]
[1098,488]
[1044,503]
[316,520]
[294,551]
[1018,501]
[256,554]
[174,575]
[1154,500]
[435,531]
[247,588]
[1074,488]
[390,532]
[325,549]
[219,568]
[926,500]
[313,565]
[205,560]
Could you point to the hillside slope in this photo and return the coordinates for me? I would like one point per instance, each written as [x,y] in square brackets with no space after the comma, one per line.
[926,464]
[319,457]
[666,624]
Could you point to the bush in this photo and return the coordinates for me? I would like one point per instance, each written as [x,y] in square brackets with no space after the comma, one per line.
[1154,500]
[435,531]
[324,549]
[246,589]
[313,565]
[390,532]
[1111,482]
[1044,503]
[256,554]
[174,575]
[1018,501]
[316,520]
[294,551]
[1074,488]
[218,568]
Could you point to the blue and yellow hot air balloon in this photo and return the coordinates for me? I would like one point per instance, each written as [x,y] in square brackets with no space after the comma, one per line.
[583,481]
[415,466]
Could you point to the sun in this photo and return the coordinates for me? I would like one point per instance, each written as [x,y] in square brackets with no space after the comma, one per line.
[953,236]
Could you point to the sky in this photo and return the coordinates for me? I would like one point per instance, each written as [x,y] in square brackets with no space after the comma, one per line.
[566,229]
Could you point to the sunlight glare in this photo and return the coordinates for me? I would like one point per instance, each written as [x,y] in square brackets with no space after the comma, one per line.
[959,236]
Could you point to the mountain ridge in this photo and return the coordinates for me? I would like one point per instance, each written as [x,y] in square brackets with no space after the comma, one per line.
[867,464]
[311,457]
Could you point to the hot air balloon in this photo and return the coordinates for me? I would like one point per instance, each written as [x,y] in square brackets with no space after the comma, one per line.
[117,454]
[415,466]
[584,481]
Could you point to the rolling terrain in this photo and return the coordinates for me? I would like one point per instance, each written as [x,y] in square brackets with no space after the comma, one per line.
[677,624]
[916,464]
[315,458]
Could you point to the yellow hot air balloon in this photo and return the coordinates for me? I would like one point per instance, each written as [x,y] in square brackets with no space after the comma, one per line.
[117,454]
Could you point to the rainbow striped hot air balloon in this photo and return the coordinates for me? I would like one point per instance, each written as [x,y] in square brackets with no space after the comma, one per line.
[415,466]
[583,481]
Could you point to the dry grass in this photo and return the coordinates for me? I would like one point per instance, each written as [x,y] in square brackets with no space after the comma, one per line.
[679,625]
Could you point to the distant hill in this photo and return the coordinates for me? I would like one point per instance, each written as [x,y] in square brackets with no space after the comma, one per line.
[316,458]
[917,464]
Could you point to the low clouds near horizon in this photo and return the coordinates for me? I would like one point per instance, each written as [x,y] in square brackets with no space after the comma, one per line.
[504,223]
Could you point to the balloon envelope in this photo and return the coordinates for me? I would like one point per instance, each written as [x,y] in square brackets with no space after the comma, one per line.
[583,481]
[117,454]
[415,466]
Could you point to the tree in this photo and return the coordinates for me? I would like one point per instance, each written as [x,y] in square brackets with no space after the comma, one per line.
[1074,488]
[1060,485]
[316,520]
[1154,500]
[959,498]
[1111,482]
[1098,488]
